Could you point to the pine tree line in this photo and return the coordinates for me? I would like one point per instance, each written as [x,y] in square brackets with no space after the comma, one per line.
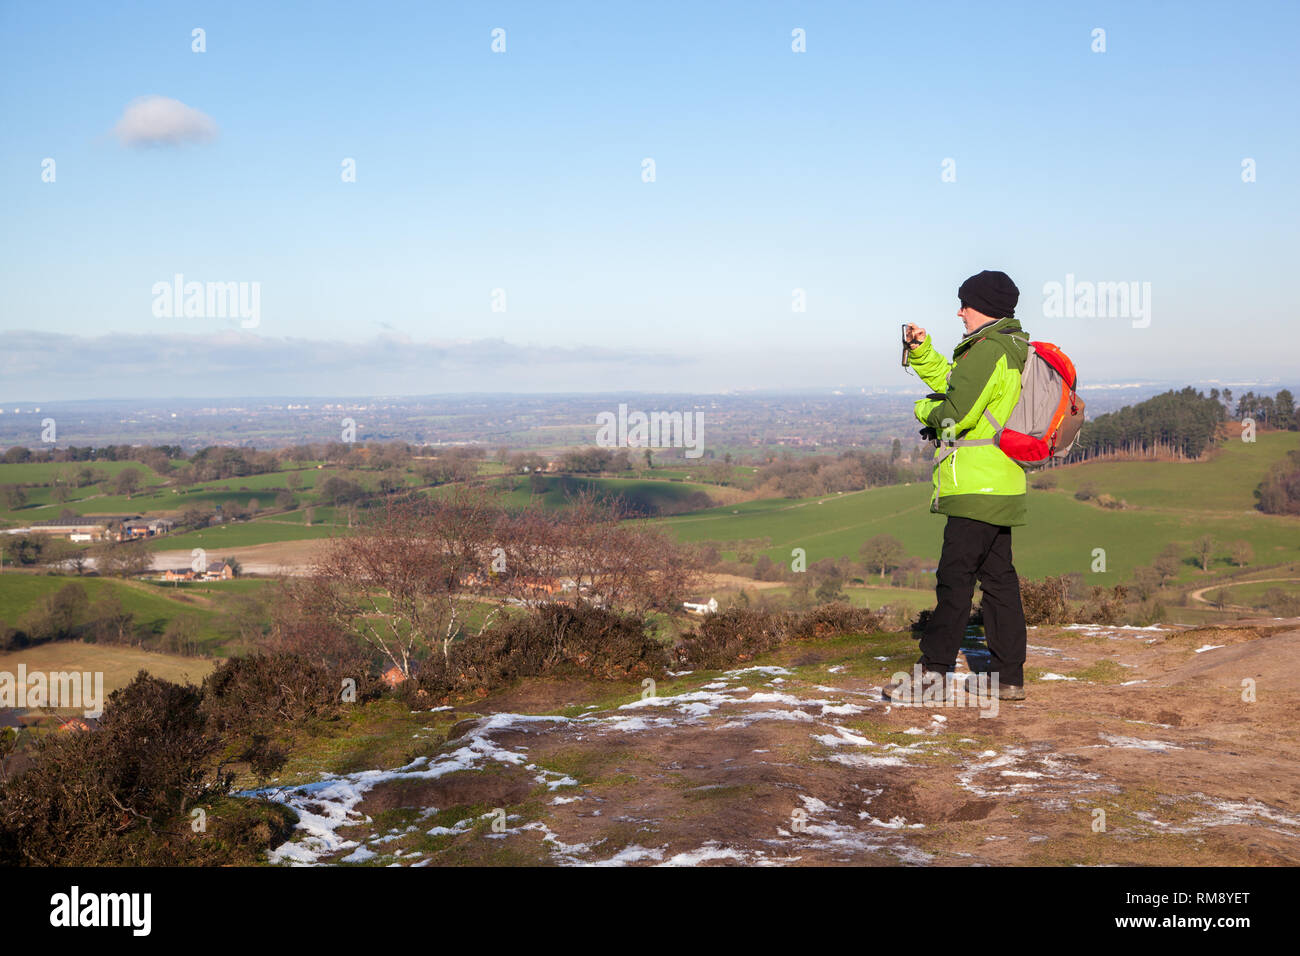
[1179,425]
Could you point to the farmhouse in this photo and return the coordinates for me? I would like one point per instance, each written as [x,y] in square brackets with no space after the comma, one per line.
[216,571]
[75,724]
[694,608]
[546,586]
[219,571]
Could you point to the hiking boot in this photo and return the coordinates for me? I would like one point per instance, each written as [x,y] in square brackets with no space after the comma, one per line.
[913,690]
[999,690]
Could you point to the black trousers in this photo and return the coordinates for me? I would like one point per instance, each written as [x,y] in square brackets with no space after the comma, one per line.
[977,549]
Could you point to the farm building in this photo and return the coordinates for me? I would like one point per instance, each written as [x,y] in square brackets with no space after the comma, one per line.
[710,608]
[146,527]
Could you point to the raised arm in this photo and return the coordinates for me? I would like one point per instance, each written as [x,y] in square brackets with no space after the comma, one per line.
[967,393]
[930,365]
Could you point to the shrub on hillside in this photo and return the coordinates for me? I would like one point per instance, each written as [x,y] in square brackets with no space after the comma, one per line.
[249,695]
[552,639]
[1279,492]
[1045,601]
[1281,603]
[740,634]
[127,793]
[1044,481]
[102,796]
[1148,613]
[736,634]
[828,620]
[1103,606]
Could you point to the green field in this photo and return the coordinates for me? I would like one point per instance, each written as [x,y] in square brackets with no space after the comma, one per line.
[1062,532]
[45,472]
[241,534]
[641,492]
[1226,482]
[1252,593]
[152,604]
[155,498]
[868,596]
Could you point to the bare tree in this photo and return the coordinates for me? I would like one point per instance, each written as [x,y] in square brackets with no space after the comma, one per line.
[405,580]
[127,482]
[1205,546]
[884,552]
[123,560]
[398,582]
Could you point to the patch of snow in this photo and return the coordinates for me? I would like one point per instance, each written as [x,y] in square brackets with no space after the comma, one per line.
[631,854]
[866,760]
[1113,627]
[1134,743]
[708,852]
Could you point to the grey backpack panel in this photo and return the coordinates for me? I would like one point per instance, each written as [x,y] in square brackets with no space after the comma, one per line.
[1041,388]
[1040,393]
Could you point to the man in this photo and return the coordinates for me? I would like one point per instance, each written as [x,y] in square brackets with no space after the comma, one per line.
[979,488]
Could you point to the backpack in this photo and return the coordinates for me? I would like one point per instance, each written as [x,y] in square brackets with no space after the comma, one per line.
[1046,420]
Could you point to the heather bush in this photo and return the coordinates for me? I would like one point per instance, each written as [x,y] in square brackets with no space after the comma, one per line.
[96,797]
[740,634]
[248,695]
[1045,601]
[551,639]
[1104,606]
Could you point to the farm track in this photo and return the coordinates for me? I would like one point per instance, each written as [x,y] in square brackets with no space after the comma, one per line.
[1199,594]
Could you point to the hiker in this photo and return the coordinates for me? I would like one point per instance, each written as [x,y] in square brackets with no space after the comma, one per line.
[979,488]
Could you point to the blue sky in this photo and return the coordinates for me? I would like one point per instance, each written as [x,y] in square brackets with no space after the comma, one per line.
[522,171]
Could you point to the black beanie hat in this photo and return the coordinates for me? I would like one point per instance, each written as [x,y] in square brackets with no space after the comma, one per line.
[992,293]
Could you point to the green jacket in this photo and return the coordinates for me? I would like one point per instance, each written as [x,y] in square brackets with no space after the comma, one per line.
[973,478]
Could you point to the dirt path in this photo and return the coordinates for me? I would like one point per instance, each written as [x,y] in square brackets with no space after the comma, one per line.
[1135,747]
[1198,595]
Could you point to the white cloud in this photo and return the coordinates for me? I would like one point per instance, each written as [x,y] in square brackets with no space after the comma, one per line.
[163,121]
